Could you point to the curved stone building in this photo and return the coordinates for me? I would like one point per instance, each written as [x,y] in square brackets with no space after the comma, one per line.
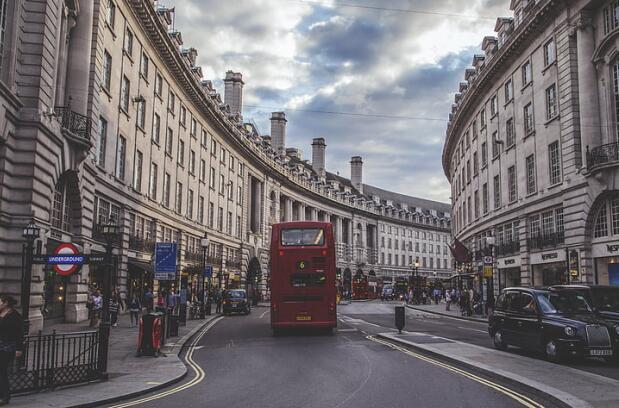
[105,117]
[531,149]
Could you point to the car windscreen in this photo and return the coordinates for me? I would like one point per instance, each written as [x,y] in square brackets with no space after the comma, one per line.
[235,294]
[303,280]
[563,302]
[303,237]
[605,299]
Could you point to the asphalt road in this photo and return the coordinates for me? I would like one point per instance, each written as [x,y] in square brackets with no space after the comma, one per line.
[239,363]
[381,313]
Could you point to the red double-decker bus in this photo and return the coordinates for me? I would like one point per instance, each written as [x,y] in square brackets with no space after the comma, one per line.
[303,285]
[360,287]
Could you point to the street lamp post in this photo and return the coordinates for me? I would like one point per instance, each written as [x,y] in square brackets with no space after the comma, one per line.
[31,233]
[206,309]
[221,266]
[110,233]
[416,270]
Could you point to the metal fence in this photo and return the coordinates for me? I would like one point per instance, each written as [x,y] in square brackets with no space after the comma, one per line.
[53,360]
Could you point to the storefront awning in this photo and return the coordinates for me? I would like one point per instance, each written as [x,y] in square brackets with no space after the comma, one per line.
[146,266]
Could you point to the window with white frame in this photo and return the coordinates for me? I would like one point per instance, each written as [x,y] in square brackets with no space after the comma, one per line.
[549,52]
[155,137]
[137,171]
[509,90]
[494,108]
[529,125]
[121,153]
[144,65]
[128,44]
[124,94]
[512,183]
[107,70]
[179,197]
[510,134]
[152,187]
[531,178]
[526,73]
[554,161]
[101,142]
[551,102]
[497,192]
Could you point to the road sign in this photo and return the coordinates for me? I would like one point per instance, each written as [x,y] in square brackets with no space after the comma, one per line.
[208,271]
[165,260]
[488,271]
[66,259]
[488,260]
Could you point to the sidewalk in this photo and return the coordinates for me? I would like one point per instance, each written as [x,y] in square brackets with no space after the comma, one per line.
[454,312]
[576,388]
[128,375]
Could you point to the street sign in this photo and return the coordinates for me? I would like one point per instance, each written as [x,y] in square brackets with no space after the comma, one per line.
[488,260]
[165,260]
[66,259]
[208,271]
[488,271]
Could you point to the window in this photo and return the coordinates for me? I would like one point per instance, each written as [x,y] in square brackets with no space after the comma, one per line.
[482,118]
[551,102]
[141,114]
[494,108]
[222,184]
[169,142]
[229,223]
[468,171]
[239,195]
[512,183]
[231,163]
[495,145]
[223,156]
[137,171]
[601,223]
[152,188]
[128,45]
[554,162]
[211,214]
[238,226]
[530,168]
[107,70]
[213,147]
[193,128]
[203,140]
[110,16]
[144,65]
[467,138]
[220,218]
[549,52]
[497,192]
[166,190]
[158,84]
[192,162]
[475,164]
[510,137]
[476,202]
[230,190]
[124,94]
[179,197]
[212,180]
[614,210]
[526,73]
[509,91]
[156,128]
[611,17]
[474,128]
[529,125]
[183,116]
[121,152]
[201,210]
[190,203]
[62,208]
[202,170]
[484,154]
[181,153]
[172,102]
[101,142]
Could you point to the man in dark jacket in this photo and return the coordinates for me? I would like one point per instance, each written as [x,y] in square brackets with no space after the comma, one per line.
[11,342]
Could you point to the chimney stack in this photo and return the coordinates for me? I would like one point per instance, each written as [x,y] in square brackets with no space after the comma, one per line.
[318,156]
[356,173]
[233,92]
[278,132]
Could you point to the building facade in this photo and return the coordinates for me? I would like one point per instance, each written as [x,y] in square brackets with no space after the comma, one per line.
[105,117]
[531,148]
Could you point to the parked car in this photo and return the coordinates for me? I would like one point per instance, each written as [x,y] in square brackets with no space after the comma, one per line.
[235,301]
[561,324]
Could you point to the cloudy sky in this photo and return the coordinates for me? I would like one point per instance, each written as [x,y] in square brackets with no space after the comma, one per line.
[385,70]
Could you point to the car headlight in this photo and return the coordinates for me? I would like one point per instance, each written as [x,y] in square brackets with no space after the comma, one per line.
[569,331]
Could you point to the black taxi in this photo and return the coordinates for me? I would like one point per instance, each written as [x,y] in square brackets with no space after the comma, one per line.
[559,323]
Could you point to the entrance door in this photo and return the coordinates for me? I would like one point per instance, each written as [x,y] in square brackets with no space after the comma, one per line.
[613,274]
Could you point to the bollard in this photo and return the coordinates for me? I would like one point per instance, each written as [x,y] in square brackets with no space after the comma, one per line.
[400,318]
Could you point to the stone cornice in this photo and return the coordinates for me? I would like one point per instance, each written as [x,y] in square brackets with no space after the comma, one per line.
[513,47]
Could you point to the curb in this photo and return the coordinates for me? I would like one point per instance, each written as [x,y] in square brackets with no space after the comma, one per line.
[486,373]
[472,319]
[176,349]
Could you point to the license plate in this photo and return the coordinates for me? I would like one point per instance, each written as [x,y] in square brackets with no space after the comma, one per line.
[304,318]
[600,352]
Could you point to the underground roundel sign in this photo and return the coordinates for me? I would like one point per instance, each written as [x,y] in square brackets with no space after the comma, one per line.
[66,259]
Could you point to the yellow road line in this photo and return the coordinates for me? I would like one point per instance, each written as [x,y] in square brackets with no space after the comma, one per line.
[199,373]
[524,400]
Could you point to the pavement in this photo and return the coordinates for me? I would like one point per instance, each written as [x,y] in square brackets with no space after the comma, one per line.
[128,375]
[572,387]
[453,312]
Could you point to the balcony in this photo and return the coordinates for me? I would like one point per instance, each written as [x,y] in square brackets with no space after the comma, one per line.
[601,155]
[97,235]
[77,125]
[546,240]
[508,248]
[137,243]
[194,256]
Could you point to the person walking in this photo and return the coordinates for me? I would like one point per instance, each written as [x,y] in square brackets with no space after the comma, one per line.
[447,300]
[11,343]
[471,299]
[96,302]
[114,306]
[218,298]
[148,300]
[134,310]
[161,302]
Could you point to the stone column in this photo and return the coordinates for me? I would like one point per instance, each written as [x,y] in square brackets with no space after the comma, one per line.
[338,230]
[314,214]
[79,59]
[288,209]
[301,212]
[588,98]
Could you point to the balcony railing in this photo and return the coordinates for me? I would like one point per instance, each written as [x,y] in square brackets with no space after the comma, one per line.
[508,248]
[141,244]
[97,234]
[75,123]
[603,154]
[546,240]
[194,256]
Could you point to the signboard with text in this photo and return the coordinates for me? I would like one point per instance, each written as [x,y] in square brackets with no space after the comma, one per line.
[165,260]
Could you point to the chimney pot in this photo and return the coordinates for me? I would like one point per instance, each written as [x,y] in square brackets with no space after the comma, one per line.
[356,173]
[318,156]
[278,132]
[233,91]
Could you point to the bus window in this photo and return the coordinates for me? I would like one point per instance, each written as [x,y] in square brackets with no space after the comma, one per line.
[303,237]
[302,280]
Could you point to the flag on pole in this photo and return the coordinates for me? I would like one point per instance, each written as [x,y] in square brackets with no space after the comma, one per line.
[460,252]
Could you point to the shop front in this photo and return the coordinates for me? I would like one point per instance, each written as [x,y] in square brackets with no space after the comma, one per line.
[508,272]
[139,278]
[549,268]
[606,263]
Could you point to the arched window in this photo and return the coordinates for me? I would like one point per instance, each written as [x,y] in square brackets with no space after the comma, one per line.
[607,219]
[61,207]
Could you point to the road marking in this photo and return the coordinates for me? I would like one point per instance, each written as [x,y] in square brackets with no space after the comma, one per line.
[477,330]
[524,400]
[262,315]
[198,371]
[347,330]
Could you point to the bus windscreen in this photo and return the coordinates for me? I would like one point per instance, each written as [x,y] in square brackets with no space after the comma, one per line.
[303,237]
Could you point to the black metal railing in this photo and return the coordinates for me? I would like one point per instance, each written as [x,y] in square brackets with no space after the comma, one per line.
[54,360]
[603,154]
[76,123]
[141,244]
[97,234]
[508,248]
[546,240]
[194,256]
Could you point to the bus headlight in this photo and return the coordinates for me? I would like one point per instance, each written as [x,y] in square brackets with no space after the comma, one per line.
[569,331]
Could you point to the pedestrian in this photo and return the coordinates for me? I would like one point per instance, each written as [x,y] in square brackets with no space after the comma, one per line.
[172,301]
[134,309]
[218,298]
[148,300]
[161,302]
[471,300]
[447,300]
[96,302]
[11,343]
[114,306]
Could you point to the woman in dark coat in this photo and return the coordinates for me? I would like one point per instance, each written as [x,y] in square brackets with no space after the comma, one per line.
[11,342]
